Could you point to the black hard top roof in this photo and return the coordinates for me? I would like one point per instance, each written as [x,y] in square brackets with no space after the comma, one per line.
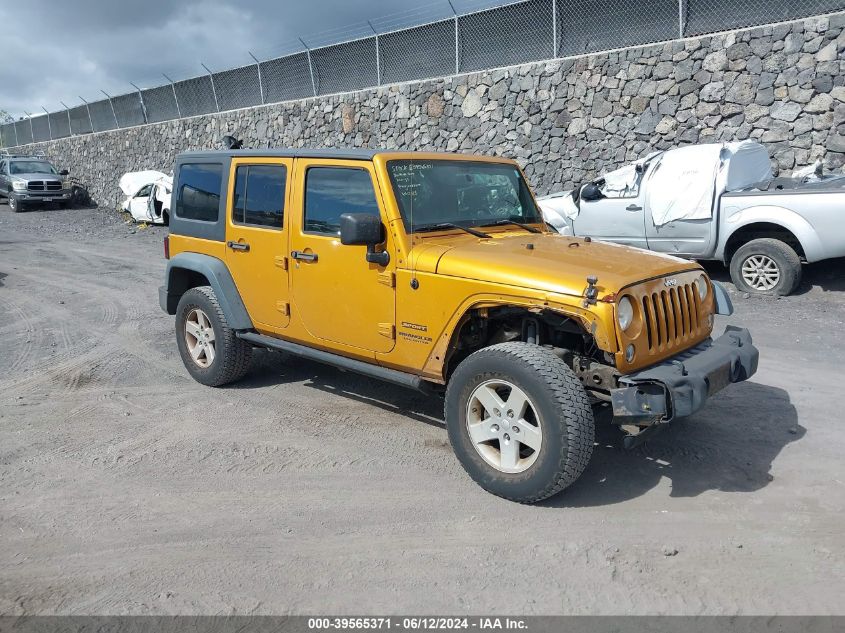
[327,152]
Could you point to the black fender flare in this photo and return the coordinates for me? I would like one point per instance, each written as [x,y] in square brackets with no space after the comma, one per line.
[220,280]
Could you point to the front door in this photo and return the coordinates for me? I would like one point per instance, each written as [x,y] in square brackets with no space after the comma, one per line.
[339,296]
[613,218]
[256,237]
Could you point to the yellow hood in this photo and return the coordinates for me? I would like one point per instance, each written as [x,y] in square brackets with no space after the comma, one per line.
[550,262]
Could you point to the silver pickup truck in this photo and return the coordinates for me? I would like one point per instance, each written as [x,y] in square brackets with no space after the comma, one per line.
[31,180]
[713,202]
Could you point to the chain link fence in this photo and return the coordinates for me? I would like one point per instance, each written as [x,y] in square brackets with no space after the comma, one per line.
[520,32]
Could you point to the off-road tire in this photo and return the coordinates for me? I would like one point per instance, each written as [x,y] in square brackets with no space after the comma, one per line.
[232,355]
[564,413]
[785,258]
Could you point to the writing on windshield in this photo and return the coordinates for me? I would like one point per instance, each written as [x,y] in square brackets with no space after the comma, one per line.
[464,193]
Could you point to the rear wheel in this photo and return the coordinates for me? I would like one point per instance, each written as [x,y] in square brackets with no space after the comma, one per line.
[766,266]
[519,421]
[210,349]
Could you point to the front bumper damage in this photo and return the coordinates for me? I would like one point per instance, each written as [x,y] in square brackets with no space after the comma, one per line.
[679,386]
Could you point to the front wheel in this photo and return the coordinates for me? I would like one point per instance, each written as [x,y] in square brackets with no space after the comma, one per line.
[210,349]
[519,421]
[14,203]
[766,267]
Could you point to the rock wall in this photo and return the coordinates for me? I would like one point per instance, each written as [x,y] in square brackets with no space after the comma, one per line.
[564,120]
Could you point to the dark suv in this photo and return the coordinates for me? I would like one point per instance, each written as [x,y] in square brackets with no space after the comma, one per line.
[29,180]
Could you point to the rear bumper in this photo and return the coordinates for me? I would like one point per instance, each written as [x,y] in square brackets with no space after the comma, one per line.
[679,386]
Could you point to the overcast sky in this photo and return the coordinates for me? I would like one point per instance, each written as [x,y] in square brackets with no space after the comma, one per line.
[60,50]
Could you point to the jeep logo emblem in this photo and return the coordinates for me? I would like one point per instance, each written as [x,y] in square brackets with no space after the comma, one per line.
[670,283]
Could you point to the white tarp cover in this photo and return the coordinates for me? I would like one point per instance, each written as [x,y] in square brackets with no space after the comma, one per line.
[684,182]
[557,208]
[132,182]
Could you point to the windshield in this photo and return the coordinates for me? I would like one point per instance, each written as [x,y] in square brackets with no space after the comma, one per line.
[30,167]
[465,193]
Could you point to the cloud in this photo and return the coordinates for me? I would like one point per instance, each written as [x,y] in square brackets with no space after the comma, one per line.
[59,51]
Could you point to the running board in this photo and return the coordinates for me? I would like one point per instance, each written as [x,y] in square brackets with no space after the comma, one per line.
[342,362]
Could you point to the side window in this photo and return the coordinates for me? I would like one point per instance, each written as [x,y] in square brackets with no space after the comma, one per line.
[199,191]
[260,195]
[144,192]
[332,191]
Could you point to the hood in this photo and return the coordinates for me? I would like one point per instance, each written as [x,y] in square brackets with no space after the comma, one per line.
[36,176]
[550,262]
[131,182]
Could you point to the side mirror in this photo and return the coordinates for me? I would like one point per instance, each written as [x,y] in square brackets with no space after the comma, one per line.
[64,172]
[364,229]
[591,192]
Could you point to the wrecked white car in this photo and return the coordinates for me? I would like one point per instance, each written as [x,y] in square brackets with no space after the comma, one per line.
[712,202]
[148,196]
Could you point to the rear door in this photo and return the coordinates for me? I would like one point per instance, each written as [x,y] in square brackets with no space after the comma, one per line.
[256,237]
[679,237]
[339,296]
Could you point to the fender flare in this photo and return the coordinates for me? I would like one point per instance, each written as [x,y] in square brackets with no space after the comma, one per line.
[220,280]
[772,214]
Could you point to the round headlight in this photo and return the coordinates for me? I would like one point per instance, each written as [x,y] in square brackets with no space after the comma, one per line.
[625,313]
[702,287]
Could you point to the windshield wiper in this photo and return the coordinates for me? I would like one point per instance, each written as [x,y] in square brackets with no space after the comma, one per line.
[447,225]
[528,228]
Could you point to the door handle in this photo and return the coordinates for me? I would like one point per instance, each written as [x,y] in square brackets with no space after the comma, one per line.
[633,207]
[306,257]
[238,246]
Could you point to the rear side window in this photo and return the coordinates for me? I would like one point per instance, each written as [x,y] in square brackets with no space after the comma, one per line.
[333,191]
[199,191]
[260,195]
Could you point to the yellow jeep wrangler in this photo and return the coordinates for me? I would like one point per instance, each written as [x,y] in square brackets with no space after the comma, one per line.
[436,272]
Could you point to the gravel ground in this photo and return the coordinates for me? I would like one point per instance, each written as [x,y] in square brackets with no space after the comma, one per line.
[127,488]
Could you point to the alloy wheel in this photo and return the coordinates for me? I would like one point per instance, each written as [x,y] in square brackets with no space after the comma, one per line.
[760,272]
[504,426]
[199,337]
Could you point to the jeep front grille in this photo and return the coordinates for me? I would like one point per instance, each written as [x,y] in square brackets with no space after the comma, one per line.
[671,316]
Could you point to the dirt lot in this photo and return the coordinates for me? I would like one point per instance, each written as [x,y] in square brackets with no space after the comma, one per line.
[127,488]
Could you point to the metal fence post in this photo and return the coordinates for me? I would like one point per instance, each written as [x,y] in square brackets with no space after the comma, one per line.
[554,28]
[260,82]
[31,129]
[49,125]
[378,56]
[114,114]
[457,40]
[175,98]
[69,126]
[88,110]
[17,142]
[681,18]
[310,67]
[143,105]
[213,89]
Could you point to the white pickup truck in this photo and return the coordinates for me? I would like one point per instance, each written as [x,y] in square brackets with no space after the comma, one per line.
[712,202]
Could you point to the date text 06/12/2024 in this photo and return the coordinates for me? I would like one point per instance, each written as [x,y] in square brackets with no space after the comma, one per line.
[415,623]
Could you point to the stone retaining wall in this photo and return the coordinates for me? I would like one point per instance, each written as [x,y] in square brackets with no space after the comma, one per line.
[564,120]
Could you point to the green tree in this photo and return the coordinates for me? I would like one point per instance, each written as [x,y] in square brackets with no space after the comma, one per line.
[5,117]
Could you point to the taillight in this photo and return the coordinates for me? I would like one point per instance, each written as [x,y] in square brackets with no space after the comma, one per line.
[166,247]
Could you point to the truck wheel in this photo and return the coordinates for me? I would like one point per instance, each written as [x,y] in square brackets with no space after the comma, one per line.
[766,266]
[14,204]
[212,354]
[519,421]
